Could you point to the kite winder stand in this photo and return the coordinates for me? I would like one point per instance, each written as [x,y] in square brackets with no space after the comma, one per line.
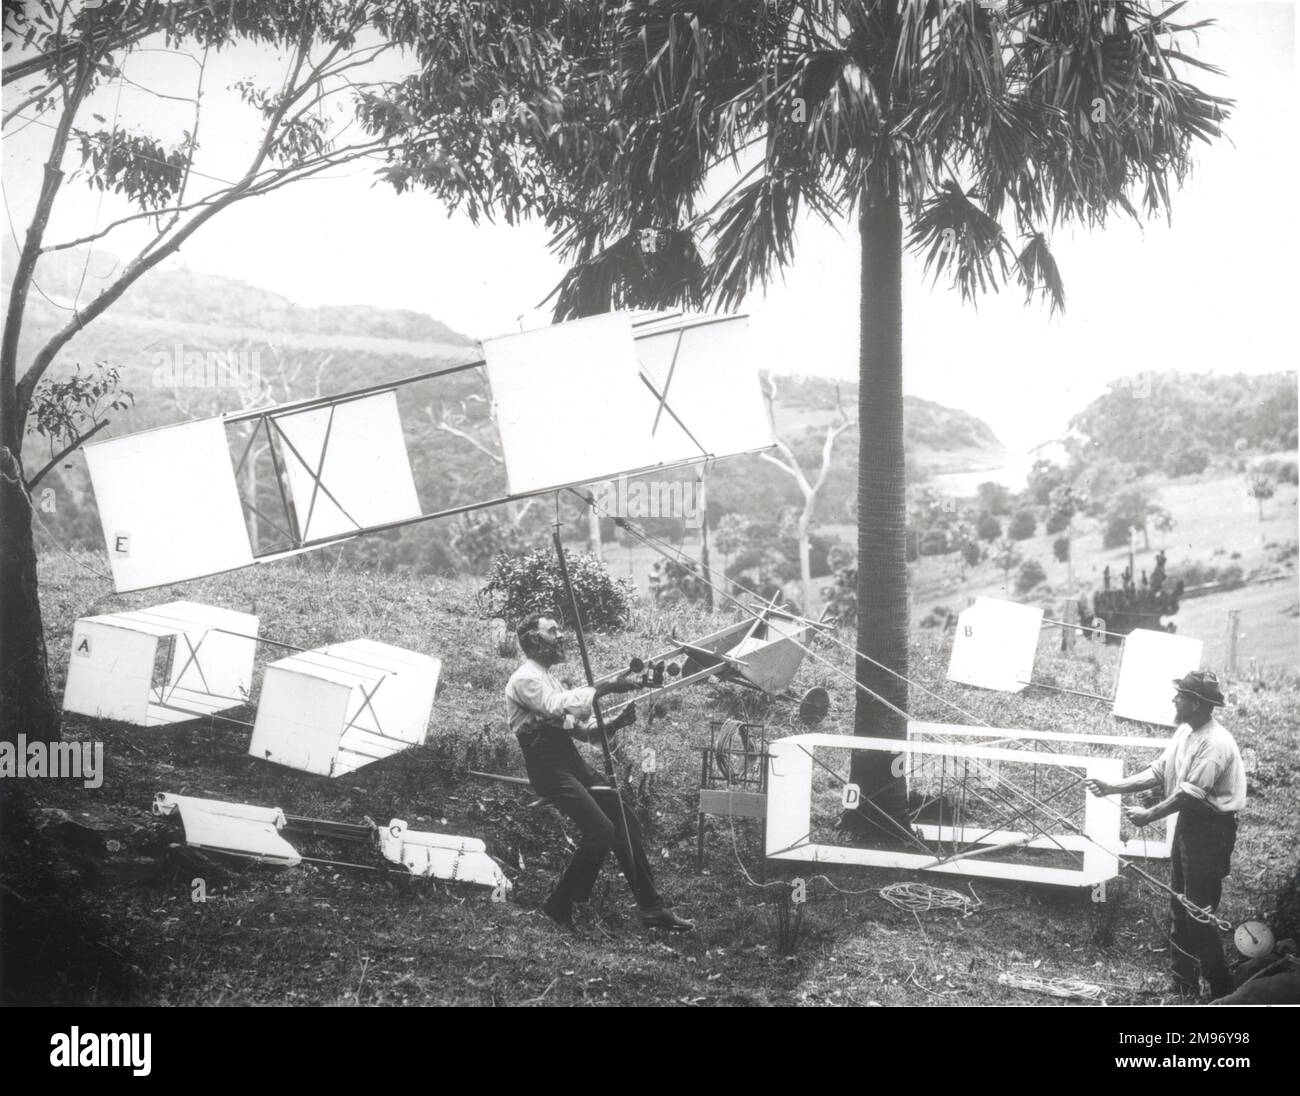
[733,778]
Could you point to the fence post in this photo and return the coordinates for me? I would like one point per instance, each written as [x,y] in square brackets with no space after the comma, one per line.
[1069,617]
[1234,627]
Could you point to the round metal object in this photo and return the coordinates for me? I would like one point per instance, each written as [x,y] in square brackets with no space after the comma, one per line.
[813,707]
[1253,939]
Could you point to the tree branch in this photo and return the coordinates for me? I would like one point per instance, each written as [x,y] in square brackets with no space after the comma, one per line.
[31,483]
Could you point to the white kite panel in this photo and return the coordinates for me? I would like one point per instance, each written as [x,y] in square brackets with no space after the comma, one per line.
[707,375]
[218,658]
[110,671]
[236,828]
[168,504]
[995,645]
[1151,662]
[365,468]
[335,709]
[562,397]
[299,718]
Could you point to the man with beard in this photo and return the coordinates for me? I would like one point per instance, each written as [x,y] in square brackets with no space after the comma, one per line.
[545,716]
[1201,778]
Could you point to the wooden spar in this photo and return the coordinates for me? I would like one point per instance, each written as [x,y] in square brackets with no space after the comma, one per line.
[523,781]
[1080,627]
[1063,689]
[586,658]
[1024,839]
[595,704]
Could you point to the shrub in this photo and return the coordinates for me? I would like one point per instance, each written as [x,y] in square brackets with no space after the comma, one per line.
[479,538]
[1187,458]
[532,583]
[935,543]
[1022,526]
[971,552]
[672,582]
[1057,520]
[842,598]
[1031,574]
[940,617]
[1061,548]
[987,527]
[1133,605]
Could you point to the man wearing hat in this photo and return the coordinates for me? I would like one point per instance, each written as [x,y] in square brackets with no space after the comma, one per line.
[1202,780]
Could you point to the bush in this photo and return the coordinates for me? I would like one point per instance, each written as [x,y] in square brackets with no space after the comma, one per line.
[972,553]
[1187,458]
[987,527]
[842,598]
[1133,605]
[479,538]
[532,583]
[1056,521]
[934,543]
[1022,525]
[1031,574]
[672,582]
[940,617]
[1061,548]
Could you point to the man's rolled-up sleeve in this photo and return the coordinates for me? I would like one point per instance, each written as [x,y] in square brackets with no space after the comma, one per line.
[542,697]
[1203,773]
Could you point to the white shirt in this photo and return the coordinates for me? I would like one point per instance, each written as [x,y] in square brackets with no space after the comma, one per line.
[534,696]
[1204,764]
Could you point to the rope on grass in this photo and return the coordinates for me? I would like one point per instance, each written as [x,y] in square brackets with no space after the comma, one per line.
[921,897]
[1052,987]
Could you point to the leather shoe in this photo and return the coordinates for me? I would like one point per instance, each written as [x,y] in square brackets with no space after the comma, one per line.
[560,912]
[665,919]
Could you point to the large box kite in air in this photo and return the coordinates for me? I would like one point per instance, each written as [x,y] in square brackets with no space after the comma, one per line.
[575,403]
[584,401]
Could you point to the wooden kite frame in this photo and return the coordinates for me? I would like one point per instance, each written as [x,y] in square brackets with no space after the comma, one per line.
[1134,847]
[789,788]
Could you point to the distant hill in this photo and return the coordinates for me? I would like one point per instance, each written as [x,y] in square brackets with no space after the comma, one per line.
[173,293]
[304,351]
[803,402]
[1145,417]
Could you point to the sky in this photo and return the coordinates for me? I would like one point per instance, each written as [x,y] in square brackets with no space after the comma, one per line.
[1213,291]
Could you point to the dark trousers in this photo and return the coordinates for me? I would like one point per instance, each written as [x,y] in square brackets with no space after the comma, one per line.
[1200,857]
[557,771]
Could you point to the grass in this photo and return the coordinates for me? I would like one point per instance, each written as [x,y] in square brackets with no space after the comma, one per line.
[76,933]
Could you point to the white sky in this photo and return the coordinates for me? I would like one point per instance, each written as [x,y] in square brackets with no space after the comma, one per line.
[1215,291]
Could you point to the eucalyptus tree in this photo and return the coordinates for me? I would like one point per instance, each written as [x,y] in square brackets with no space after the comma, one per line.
[59,54]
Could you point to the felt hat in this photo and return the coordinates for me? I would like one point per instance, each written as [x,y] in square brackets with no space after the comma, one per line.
[1203,685]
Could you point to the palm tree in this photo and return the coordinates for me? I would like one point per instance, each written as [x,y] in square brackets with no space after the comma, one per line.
[965,131]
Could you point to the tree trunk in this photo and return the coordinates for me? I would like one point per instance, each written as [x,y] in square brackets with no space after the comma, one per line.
[593,533]
[882,557]
[26,702]
[702,501]
[805,560]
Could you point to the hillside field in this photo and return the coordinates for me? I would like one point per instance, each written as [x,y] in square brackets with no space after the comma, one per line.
[80,933]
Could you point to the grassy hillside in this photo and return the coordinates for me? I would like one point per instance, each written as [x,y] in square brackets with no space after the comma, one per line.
[1216,523]
[315,935]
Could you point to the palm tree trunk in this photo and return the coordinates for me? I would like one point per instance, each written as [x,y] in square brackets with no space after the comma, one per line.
[882,559]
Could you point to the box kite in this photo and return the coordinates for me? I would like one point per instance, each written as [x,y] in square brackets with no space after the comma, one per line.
[575,403]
